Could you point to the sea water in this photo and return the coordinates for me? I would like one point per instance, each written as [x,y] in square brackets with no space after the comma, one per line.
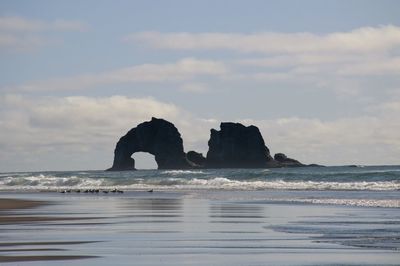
[377,186]
[288,216]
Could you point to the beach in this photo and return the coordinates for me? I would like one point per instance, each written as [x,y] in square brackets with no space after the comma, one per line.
[192,228]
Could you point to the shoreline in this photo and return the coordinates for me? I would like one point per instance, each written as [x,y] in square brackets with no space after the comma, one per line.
[12,212]
[219,228]
[11,204]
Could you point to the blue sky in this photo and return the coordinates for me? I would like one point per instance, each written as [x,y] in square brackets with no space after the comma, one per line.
[319,78]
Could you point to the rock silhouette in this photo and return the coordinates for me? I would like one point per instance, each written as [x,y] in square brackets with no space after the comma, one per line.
[196,158]
[285,161]
[238,146]
[158,137]
[233,146]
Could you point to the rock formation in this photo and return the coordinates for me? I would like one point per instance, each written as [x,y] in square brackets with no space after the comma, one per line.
[284,161]
[238,146]
[196,158]
[234,146]
[158,137]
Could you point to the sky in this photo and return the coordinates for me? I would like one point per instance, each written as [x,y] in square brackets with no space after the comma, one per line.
[321,79]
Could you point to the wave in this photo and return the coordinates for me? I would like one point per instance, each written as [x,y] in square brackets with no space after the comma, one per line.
[225,183]
[183,172]
[48,182]
[386,203]
[52,182]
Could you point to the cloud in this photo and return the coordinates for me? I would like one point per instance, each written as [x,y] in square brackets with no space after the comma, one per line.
[81,113]
[344,62]
[80,132]
[367,139]
[34,131]
[20,24]
[23,34]
[182,70]
[340,73]
[361,40]
[38,133]
[380,66]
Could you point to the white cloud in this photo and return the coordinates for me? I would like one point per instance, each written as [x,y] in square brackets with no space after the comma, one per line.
[81,132]
[343,62]
[34,131]
[81,113]
[20,24]
[380,66]
[22,34]
[182,70]
[369,139]
[361,40]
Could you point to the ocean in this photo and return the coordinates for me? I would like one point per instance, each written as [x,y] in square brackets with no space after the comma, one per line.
[365,185]
[289,216]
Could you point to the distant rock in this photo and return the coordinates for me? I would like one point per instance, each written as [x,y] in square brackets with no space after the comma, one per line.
[315,165]
[158,137]
[196,158]
[284,161]
[238,146]
[233,146]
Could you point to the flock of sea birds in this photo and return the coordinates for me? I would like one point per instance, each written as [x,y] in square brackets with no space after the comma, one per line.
[96,191]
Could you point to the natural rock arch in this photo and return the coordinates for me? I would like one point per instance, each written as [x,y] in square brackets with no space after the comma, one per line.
[144,161]
[157,137]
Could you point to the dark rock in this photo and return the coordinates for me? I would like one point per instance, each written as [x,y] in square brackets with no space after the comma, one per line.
[196,158]
[158,137]
[238,146]
[284,161]
[315,165]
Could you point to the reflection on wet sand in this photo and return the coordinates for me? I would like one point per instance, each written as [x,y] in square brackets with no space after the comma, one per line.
[19,212]
[231,213]
[160,228]
[152,204]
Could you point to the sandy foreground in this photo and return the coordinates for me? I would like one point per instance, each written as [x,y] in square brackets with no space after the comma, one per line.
[180,229]
[7,216]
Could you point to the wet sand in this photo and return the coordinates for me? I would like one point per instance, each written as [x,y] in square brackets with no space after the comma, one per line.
[8,215]
[165,228]
[10,204]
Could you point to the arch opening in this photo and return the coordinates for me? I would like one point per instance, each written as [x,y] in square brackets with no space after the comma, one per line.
[144,161]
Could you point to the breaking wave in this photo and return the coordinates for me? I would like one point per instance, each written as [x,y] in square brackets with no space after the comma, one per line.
[352,186]
[175,182]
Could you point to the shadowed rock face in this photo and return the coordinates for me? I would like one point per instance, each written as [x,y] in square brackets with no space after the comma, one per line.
[234,146]
[196,158]
[238,146]
[285,161]
[158,137]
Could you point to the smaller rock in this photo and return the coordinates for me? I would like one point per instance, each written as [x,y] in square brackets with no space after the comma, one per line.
[196,158]
[315,165]
[285,161]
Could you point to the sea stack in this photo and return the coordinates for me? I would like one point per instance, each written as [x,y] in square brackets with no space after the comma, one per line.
[233,146]
[284,161]
[157,137]
[238,146]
